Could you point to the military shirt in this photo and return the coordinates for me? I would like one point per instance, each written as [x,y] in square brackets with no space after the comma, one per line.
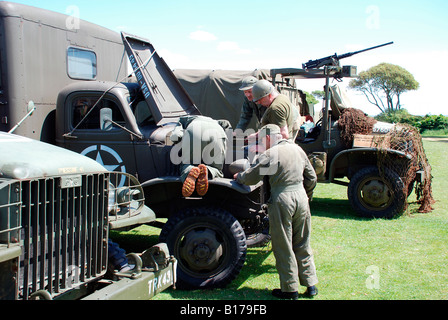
[282,113]
[249,108]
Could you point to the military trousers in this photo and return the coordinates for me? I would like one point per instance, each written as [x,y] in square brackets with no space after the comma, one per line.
[290,228]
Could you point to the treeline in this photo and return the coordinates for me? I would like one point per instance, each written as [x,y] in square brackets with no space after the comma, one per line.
[423,123]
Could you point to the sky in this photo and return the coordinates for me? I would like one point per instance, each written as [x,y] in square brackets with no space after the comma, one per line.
[251,34]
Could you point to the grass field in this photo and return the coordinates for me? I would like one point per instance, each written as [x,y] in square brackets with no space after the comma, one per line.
[356,258]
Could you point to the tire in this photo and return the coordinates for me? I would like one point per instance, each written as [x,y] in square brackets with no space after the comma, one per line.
[376,196]
[257,240]
[209,245]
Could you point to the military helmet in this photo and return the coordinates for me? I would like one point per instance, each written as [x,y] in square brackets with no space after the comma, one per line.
[248,83]
[261,89]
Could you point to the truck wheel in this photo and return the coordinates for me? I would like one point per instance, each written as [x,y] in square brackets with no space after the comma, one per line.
[209,245]
[258,240]
[376,196]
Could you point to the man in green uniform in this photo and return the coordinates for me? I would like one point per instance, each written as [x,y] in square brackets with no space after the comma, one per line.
[280,111]
[292,180]
[203,143]
[249,107]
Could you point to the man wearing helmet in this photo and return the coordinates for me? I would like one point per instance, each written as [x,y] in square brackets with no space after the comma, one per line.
[280,110]
[292,180]
[249,107]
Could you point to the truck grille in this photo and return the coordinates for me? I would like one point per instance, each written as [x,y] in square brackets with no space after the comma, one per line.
[64,232]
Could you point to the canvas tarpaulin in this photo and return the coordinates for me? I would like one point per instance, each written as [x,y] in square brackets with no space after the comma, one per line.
[216,92]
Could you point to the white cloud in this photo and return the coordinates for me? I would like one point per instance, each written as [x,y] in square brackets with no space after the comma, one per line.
[232,47]
[174,60]
[203,36]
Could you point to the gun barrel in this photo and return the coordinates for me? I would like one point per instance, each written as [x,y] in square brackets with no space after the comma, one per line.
[312,64]
[342,56]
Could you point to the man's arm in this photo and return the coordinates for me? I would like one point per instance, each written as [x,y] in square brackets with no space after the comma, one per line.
[246,116]
[284,132]
[253,175]
[309,177]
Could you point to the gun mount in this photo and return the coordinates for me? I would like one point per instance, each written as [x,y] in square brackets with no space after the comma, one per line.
[334,59]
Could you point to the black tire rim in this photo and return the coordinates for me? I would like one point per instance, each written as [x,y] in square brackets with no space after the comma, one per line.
[202,250]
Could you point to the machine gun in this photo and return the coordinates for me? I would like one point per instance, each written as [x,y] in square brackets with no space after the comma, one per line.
[334,59]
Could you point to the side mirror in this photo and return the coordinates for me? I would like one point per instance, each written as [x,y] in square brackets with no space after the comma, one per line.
[106,119]
[30,109]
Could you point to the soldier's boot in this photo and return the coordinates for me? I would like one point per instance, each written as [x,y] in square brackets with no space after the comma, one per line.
[202,182]
[190,182]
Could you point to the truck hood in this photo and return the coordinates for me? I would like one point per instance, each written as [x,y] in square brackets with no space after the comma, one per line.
[164,94]
[24,158]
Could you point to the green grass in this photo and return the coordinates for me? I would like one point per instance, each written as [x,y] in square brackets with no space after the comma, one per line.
[436,133]
[409,253]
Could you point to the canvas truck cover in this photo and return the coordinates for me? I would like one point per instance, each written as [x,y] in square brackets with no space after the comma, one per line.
[216,92]
[166,98]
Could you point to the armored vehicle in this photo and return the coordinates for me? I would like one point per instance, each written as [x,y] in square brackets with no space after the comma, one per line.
[56,210]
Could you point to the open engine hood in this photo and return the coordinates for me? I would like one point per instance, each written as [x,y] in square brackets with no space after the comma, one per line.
[166,97]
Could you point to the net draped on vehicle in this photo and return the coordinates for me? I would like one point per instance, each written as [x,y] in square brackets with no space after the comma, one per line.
[403,138]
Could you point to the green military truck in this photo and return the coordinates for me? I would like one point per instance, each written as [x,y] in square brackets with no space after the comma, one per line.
[56,210]
[66,68]
[127,127]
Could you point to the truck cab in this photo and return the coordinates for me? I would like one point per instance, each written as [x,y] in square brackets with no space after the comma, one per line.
[126,126]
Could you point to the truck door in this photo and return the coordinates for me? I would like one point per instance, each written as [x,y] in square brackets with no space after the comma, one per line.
[114,149]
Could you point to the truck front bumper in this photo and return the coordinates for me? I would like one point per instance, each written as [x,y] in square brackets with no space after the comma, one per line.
[142,285]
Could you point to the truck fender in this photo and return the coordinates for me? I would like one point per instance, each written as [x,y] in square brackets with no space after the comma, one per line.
[338,160]
[217,182]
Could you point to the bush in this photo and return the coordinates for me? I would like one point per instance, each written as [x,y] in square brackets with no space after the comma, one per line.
[430,122]
[426,123]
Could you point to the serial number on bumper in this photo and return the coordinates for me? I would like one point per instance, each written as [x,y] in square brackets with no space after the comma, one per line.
[161,282]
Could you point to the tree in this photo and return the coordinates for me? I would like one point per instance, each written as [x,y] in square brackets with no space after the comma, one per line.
[310,98]
[384,81]
[319,94]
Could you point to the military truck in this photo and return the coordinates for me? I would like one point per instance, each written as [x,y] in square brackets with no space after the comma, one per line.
[127,126]
[56,210]
[43,51]
[76,74]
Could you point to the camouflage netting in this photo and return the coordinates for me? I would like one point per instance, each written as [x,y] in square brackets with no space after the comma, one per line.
[404,138]
[354,121]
